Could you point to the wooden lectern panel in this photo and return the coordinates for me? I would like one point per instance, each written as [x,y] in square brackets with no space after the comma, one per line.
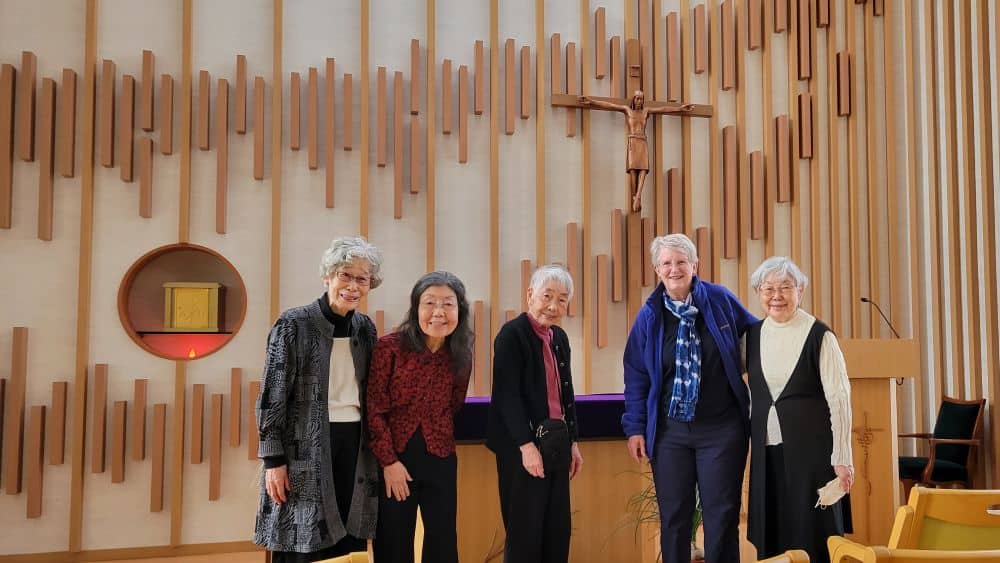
[879,359]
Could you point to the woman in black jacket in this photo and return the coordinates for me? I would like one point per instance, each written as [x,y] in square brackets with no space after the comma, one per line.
[532,423]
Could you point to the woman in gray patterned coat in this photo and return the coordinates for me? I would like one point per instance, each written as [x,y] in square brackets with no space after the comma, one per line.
[319,497]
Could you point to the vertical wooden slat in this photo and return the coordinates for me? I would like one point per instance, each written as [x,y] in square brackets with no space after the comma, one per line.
[509,315]
[843,84]
[706,262]
[258,128]
[414,155]
[753,22]
[700,39]
[204,110]
[973,212]
[312,119]
[221,154]
[782,156]
[46,148]
[3,403]
[118,416]
[780,15]
[126,127]
[526,81]
[463,114]
[586,269]
[253,437]
[572,88]
[952,109]
[197,422]
[380,322]
[26,107]
[804,36]
[397,145]
[648,233]
[822,13]
[600,37]
[526,270]
[7,87]
[381,123]
[728,31]
[329,122]
[235,406]
[215,449]
[675,201]
[510,87]
[833,141]
[66,125]
[617,67]
[13,422]
[166,114]
[674,75]
[107,113]
[758,197]
[295,112]
[56,424]
[146,91]
[715,149]
[277,117]
[159,438]
[878,7]
[348,127]
[146,177]
[479,370]
[555,64]
[617,255]
[805,125]
[100,418]
[446,97]
[479,95]
[852,159]
[240,109]
[415,76]
[494,201]
[138,424]
[573,265]
[541,206]
[602,300]
[730,183]
[34,460]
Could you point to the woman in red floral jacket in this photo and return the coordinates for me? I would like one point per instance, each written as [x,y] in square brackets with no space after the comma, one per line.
[419,376]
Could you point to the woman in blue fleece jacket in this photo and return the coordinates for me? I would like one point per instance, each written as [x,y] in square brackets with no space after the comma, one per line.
[686,405]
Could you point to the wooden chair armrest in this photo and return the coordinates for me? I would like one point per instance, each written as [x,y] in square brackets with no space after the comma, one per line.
[843,550]
[924,435]
[972,442]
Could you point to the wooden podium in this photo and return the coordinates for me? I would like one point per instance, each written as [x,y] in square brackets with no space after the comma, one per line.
[873,367]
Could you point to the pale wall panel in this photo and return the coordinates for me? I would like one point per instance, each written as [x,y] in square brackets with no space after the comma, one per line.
[217,37]
[393,25]
[51,329]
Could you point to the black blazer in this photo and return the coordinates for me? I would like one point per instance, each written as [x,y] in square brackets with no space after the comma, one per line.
[520,399]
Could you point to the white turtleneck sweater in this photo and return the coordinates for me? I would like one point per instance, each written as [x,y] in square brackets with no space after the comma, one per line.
[780,347]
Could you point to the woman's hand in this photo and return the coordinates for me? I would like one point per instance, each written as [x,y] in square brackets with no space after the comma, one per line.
[637,447]
[396,478]
[277,483]
[532,460]
[576,461]
[846,475]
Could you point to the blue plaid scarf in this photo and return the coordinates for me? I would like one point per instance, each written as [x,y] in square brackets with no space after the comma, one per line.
[687,359]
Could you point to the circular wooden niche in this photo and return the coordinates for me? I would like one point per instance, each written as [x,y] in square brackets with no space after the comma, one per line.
[141,300]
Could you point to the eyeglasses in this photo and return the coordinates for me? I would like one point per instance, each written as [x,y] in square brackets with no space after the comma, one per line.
[362,281]
[433,305]
[770,290]
[676,264]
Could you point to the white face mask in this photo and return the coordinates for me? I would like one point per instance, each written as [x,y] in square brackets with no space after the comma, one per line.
[830,493]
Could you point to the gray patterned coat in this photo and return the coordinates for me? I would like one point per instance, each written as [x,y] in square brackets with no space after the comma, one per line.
[293,421]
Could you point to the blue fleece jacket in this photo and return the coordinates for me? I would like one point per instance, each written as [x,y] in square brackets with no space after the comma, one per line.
[726,319]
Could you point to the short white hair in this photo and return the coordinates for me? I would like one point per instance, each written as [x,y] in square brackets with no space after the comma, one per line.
[781,267]
[344,251]
[552,272]
[676,241]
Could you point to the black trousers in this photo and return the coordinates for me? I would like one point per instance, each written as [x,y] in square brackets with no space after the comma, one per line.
[434,490]
[535,513]
[345,440]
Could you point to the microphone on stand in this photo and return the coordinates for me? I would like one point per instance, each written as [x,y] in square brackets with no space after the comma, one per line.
[899,380]
[884,318]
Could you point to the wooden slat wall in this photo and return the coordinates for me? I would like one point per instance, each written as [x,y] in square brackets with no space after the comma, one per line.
[204,110]
[312,119]
[602,300]
[329,122]
[145,177]
[106,129]
[347,129]
[617,256]
[146,88]
[126,122]
[397,145]
[34,460]
[295,112]
[138,423]
[259,128]
[252,436]
[381,122]
[463,114]
[235,406]
[157,451]
[479,98]
[7,86]
[118,417]
[197,423]
[46,157]
[13,421]
[65,125]
[221,154]
[26,107]
[600,36]
[56,425]
[240,109]
[99,417]
[166,113]
[215,449]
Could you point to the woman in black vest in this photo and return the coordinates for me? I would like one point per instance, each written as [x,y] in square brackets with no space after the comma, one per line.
[800,420]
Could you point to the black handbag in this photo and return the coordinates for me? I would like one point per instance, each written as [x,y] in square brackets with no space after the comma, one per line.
[552,439]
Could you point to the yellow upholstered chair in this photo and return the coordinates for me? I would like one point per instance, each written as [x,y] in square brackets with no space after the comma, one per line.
[843,550]
[947,519]
[790,556]
[356,557]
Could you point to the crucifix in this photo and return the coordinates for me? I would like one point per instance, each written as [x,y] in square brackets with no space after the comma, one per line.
[637,112]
